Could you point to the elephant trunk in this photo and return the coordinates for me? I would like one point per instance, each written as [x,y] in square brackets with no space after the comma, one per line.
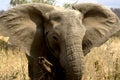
[72,56]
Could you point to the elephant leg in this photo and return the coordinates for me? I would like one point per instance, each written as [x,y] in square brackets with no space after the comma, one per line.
[30,71]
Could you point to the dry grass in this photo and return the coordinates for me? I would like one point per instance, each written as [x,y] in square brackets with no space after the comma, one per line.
[102,63]
[13,64]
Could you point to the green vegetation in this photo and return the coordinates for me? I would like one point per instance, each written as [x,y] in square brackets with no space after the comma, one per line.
[67,5]
[17,2]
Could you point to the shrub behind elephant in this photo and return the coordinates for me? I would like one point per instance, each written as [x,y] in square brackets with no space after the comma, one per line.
[61,36]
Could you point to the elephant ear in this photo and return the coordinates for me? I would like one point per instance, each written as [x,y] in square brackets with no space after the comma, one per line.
[23,22]
[100,24]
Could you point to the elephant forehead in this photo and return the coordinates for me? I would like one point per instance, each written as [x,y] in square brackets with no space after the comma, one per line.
[65,13]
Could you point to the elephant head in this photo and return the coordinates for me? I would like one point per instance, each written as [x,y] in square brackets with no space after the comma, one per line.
[60,35]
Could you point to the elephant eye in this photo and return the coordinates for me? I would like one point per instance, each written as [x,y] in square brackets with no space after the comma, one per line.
[55,38]
[46,33]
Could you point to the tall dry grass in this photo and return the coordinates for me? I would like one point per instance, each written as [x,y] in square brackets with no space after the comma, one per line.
[13,63]
[102,63]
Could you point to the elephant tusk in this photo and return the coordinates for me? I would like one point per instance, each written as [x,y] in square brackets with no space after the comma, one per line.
[46,64]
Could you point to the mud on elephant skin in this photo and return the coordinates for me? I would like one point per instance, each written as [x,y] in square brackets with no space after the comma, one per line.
[61,36]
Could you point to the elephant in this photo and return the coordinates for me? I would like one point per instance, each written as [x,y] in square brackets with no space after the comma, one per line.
[56,39]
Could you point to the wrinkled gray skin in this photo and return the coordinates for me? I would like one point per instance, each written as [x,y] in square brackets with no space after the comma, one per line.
[60,35]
